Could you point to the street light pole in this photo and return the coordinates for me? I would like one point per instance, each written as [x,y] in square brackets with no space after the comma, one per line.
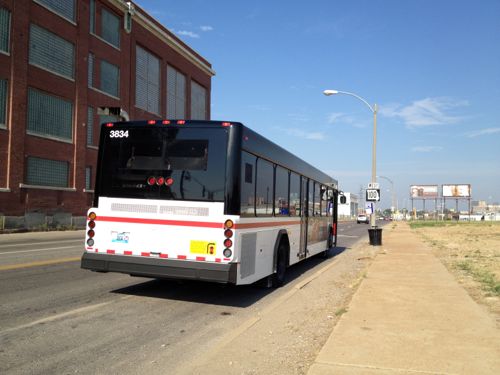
[374,109]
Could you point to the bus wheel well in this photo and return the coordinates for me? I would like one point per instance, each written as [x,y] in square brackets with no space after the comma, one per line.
[282,240]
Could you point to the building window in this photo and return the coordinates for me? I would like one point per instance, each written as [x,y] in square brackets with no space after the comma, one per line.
[147,84]
[3,103]
[198,102]
[109,25]
[90,126]
[49,115]
[88,178]
[51,52]
[92,16]
[104,119]
[176,94]
[65,8]
[110,78]
[4,30]
[110,28]
[91,70]
[44,172]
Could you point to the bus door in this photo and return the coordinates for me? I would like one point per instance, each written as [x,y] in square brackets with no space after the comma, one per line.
[303,218]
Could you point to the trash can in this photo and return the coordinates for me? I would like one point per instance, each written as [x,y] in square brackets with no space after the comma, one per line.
[375,235]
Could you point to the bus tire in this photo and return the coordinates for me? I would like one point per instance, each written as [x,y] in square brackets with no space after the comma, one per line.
[279,277]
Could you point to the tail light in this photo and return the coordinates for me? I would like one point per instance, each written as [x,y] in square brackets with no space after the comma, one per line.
[228,234]
[91,232]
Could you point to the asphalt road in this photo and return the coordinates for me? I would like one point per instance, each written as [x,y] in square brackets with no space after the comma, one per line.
[58,318]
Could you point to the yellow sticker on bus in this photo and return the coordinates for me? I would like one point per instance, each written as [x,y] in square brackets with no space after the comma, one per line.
[202,247]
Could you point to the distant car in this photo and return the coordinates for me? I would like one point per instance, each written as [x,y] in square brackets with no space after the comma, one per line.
[362,219]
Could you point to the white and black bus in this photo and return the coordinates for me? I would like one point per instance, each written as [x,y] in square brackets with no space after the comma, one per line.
[204,200]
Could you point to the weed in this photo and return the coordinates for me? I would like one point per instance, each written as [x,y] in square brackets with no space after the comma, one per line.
[341,311]
[486,278]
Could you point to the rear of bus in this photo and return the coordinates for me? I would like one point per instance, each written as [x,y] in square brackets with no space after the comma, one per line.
[160,194]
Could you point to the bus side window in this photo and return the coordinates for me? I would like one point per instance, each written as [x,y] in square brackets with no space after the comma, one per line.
[281,192]
[294,194]
[310,198]
[317,200]
[247,205]
[264,181]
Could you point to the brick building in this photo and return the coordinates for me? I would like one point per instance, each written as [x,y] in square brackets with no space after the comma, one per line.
[60,61]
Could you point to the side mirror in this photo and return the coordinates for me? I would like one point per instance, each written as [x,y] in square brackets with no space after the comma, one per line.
[343,199]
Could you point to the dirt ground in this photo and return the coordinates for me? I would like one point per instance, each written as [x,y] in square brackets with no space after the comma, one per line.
[286,337]
[471,252]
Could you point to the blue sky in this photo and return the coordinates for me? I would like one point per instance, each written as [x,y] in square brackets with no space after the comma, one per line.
[431,66]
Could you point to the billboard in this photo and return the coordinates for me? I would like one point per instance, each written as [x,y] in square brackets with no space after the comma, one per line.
[424,191]
[456,191]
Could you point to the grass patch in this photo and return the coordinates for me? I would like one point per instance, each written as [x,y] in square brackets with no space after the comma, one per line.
[341,311]
[486,278]
[450,223]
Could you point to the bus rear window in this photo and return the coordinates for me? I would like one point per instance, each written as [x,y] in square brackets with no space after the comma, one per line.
[164,163]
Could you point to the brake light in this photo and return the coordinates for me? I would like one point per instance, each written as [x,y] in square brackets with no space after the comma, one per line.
[109,125]
[169,181]
[165,122]
[226,124]
[160,181]
[151,122]
[181,122]
[228,242]
[91,224]
[151,181]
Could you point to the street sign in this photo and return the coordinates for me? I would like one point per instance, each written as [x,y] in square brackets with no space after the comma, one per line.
[372,195]
[369,208]
[373,185]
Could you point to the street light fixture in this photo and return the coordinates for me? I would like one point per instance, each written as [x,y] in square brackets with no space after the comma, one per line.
[374,109]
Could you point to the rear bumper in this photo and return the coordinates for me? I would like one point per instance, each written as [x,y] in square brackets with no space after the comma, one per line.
[160,268]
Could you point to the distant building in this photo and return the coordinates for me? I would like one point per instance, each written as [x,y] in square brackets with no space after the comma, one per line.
[350,208]
[60,61]
[482,208]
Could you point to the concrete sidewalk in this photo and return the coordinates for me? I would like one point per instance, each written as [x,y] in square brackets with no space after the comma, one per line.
[410,316]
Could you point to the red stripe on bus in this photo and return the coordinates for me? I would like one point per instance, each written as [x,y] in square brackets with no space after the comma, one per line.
[201,224]
[145,254]
[218,260]
[110,251]
[126,252]
[266,224]
[200,259]
[163,255]
[181,257]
